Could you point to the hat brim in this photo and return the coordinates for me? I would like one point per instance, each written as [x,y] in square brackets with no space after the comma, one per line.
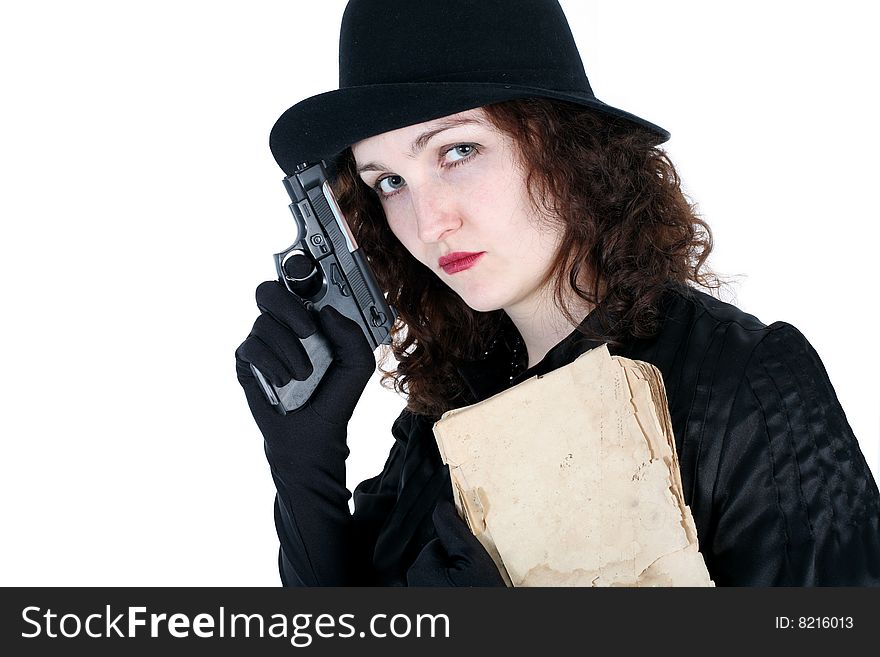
[321,127]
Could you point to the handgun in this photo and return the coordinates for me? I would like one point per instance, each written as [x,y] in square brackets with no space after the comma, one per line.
[324,266]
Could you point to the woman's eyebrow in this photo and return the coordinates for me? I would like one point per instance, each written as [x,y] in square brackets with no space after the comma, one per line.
[422,140]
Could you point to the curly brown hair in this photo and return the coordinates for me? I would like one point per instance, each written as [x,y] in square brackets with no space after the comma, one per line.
[627,230]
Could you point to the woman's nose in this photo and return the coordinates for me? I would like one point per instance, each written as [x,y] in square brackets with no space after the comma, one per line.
[436,211]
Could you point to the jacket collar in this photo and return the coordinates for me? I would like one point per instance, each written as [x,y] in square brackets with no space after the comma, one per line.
[490,374]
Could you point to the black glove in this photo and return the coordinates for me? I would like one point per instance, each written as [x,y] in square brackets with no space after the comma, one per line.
[455,557]
[307,448]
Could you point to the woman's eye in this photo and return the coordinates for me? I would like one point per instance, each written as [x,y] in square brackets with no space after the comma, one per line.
[459,152]
[390,184]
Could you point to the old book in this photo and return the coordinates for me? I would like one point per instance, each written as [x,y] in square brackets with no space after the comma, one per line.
[572,478]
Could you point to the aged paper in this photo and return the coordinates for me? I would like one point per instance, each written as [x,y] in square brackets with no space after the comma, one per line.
[571,479]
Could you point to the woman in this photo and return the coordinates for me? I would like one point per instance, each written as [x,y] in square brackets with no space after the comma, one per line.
[515,222]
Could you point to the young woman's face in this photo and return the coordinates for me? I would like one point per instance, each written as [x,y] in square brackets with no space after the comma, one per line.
[455,186]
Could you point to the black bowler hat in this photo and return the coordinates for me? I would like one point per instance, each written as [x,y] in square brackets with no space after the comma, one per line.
[403,62]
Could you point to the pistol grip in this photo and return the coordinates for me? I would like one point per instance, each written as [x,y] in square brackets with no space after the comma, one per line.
[294,394]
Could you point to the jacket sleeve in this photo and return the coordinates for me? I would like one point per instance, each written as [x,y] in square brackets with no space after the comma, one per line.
[795,502]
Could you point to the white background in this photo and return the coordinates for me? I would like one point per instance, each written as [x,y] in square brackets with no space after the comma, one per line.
[141,205]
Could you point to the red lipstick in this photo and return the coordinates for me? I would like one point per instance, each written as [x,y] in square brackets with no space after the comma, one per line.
[459,261]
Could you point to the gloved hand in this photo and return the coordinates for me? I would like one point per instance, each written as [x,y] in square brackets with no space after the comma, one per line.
[307,448]
[455,557]
[274,347]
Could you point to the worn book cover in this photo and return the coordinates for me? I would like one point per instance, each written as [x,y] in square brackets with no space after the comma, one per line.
[572,479]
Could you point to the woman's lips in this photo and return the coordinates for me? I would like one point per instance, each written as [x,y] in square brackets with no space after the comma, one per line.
[459,261]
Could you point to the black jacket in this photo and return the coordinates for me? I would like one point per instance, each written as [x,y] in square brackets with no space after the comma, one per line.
[774,477]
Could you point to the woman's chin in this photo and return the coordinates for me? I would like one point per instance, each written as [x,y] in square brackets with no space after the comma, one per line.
[482,305]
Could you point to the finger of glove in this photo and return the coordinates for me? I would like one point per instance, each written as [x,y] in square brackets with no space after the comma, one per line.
[255,351]
[286,307]
[348,375]
[243,370]
[285,346]
[430,568]
[276,369]
[469,564]
[269,420]
[452,530]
